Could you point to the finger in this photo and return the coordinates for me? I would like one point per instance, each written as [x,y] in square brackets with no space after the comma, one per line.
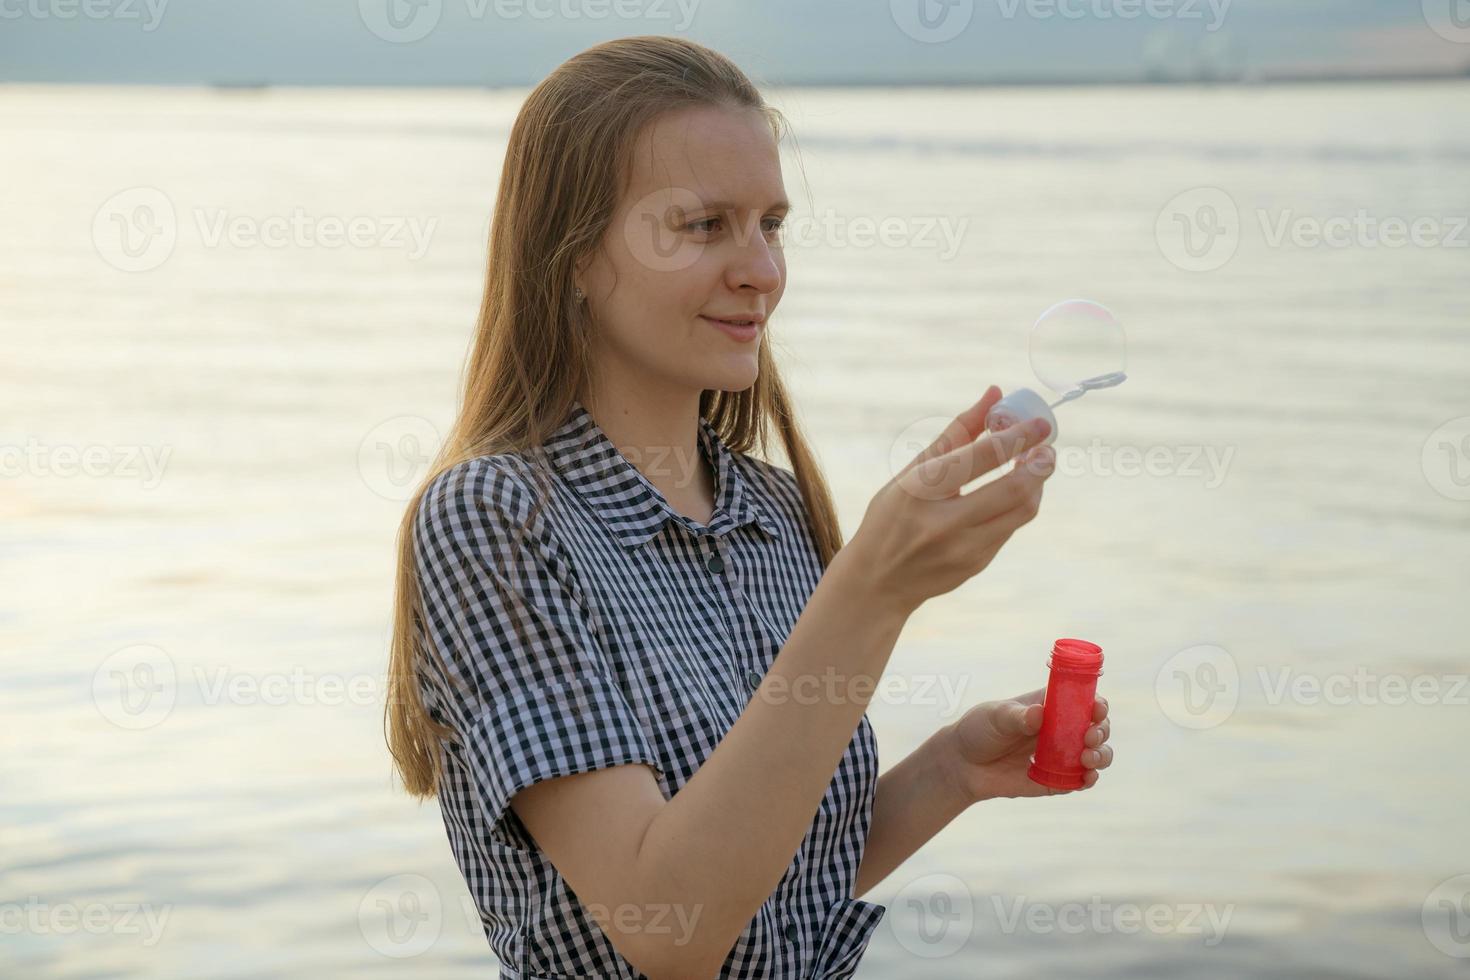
[1099,709]
[948,472]
[1096,734]
[966,427]
[1031,697]
[995,511]
[1089,779]
[1017,491]
[1009,719]
[1099,758]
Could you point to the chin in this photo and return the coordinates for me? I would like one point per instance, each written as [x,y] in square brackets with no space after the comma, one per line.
[736,374]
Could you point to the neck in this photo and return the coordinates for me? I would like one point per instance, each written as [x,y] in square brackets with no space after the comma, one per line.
[658,432]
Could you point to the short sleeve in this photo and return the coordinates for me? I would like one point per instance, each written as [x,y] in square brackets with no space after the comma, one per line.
[520,674]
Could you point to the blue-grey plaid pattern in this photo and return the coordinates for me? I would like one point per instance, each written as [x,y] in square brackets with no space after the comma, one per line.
[643,637]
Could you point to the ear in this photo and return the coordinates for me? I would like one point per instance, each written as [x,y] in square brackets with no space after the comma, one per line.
[579,273]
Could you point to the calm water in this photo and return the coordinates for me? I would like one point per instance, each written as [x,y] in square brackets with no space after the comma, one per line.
[211,414]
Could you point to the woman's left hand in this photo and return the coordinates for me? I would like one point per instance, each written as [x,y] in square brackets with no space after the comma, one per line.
[990,748]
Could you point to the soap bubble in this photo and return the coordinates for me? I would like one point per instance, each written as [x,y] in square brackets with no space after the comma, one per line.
[1074,340]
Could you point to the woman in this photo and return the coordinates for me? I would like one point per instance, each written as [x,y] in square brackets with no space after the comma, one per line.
[631,658]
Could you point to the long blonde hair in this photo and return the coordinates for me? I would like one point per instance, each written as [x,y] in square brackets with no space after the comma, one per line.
[530,356]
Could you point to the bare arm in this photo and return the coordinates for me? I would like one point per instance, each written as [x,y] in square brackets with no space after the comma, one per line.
[915,800]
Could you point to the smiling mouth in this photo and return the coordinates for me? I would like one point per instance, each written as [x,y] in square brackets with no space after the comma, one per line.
[731,323]
[747,332]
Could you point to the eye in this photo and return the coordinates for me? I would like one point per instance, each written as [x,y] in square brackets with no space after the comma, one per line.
[701,224]
[774,225]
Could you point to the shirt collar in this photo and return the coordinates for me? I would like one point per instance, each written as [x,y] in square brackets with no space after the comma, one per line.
[624,498]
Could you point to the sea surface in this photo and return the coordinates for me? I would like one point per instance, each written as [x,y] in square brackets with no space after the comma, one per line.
[232,325]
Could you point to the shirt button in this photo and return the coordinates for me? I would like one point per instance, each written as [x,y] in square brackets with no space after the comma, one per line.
[753,679]
[715,564]
[791,931]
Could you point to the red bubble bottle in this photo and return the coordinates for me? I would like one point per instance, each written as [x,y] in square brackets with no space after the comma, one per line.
[1066,714]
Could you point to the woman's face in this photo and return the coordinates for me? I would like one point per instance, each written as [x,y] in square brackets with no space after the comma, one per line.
[697,236]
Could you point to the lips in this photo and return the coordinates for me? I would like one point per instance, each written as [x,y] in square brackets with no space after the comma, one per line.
[738,321]
[743,333]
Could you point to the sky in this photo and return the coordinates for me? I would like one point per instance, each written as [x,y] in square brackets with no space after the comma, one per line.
[517,42]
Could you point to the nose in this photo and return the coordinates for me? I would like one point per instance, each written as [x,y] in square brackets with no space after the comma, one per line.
[754,263]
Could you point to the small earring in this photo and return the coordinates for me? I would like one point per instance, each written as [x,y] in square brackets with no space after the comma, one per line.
[579,294]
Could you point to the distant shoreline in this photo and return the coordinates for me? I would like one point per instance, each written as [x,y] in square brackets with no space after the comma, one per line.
[1249,81]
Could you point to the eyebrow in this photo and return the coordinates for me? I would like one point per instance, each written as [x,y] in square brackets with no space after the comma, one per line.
[781,205]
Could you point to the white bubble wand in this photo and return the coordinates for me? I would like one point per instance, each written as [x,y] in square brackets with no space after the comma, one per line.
[1110,380]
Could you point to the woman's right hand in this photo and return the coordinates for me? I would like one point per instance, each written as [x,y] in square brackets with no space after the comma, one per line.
[920,537]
